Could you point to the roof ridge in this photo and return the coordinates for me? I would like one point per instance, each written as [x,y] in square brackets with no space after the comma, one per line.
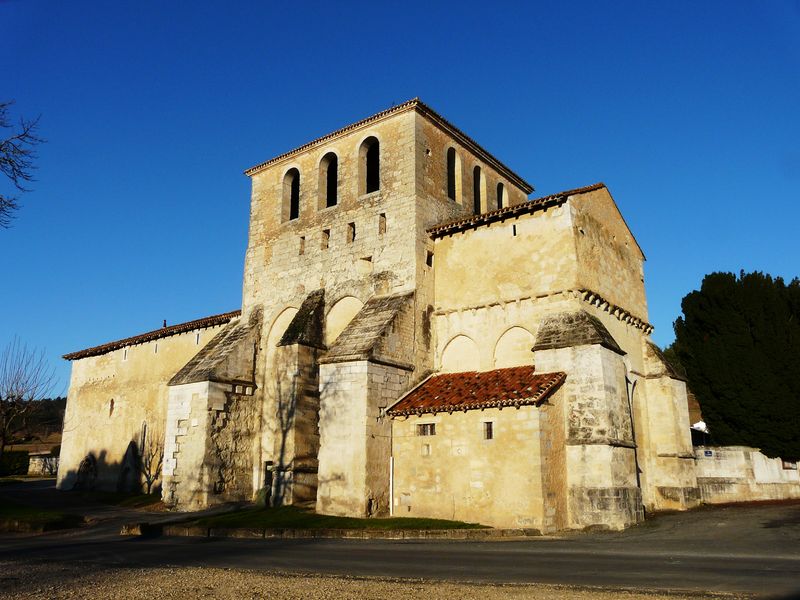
[423,109]
[510,211]
[149,336]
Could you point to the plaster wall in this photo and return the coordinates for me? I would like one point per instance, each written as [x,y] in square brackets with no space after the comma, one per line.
[135,379]
[458,474]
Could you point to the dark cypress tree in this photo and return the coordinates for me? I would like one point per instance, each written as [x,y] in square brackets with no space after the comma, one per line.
[739,342]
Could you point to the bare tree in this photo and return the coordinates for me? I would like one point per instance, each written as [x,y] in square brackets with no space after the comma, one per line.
[16,158]
[152,458]
[25,376]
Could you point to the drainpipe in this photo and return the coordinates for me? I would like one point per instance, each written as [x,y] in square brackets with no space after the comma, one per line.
[630,386]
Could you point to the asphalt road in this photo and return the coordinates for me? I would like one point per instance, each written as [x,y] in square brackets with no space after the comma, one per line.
[753,549]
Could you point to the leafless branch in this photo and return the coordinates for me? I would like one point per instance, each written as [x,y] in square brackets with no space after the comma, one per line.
[25,376]
[17,155]
[152,458]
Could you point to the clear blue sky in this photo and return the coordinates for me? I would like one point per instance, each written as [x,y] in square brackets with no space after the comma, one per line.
[688,111]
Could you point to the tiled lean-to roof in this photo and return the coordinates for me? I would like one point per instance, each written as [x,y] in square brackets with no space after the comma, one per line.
[450,392]
[423,109]
[501,214]
[211,321]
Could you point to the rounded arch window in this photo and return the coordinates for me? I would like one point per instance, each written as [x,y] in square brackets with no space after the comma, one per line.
[329,180]
[291,195]
[369,163]
[453,175]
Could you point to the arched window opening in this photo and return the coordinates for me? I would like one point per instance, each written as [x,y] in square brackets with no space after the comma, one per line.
[501,200]
[291,195]
[370,166]
[329,180]
[478,190]
[451,173]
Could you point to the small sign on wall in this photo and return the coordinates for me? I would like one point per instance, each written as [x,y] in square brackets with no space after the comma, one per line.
[708,453]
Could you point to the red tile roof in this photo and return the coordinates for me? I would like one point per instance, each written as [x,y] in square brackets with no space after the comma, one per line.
[156,334]
[514,386]
[515,210]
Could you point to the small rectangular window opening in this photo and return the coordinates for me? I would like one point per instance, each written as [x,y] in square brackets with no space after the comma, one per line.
[302,245]
[514,230]
[426,429]
[196,339]
[351,233]
[124,354]
[488,430]
[429,259]
[155,349]
[382,224]
[326,238]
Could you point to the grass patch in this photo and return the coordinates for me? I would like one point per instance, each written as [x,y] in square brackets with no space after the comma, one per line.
[17,517]
[291,517]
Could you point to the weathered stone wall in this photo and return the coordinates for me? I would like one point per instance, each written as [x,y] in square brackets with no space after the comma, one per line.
[208,449]
[742,474]
[458,474]
[609,259]
[600,459]
[354,438]
[111,396]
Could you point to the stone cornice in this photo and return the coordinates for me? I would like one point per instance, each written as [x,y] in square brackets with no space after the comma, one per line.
[586,295]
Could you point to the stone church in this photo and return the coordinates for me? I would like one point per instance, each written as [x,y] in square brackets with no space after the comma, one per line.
[417,337]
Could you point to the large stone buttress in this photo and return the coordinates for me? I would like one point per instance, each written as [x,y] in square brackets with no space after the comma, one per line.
[599,458]
[212,417]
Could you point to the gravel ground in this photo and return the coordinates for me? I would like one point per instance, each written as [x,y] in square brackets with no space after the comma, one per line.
[57,581]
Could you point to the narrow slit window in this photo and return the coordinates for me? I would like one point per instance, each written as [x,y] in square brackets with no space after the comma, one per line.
[370,165]
[382,224]
[291,195]
[351,233]
[196,339]
[514,230]
[124,354]
[501,200]
[451,173]
[477,184]
[488,430]
[326,238]
[302,249]
[329,180]
[155,348]
[426,429]
[429,259]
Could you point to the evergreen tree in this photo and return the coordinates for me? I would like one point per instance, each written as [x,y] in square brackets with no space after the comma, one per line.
[739,342]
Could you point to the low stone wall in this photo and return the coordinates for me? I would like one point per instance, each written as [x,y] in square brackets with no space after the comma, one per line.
[742,474]
[43,464]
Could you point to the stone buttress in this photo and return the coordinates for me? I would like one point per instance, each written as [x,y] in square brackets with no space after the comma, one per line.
[599,454]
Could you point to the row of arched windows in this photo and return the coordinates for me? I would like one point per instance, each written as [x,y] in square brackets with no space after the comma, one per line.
[369,179]
[479,193]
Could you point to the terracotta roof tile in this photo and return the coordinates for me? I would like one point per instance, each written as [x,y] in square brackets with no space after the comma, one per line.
[509,211]
[156,334]
[514,386]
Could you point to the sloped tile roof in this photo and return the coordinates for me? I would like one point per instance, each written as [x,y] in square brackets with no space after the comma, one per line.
[210,363]
[306,326]
[578,328]
[360,338]
[501,214]
[211,321]
[513,386]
